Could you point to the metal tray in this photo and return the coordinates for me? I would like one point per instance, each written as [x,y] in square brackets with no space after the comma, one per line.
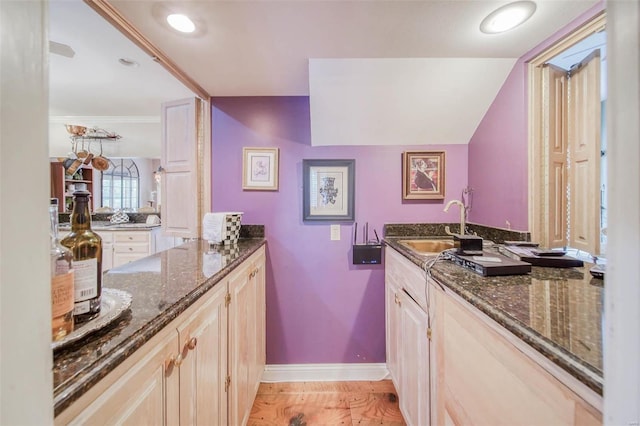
[112,305]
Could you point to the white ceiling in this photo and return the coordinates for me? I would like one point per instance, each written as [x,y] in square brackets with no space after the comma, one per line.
[262,48]
[245,48]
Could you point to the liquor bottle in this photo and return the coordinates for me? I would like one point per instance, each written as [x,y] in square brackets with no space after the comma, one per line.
[86,247]
[62,296]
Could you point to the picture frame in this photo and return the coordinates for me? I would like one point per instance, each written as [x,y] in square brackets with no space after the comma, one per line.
[423,175]
[328,190]
[260,168]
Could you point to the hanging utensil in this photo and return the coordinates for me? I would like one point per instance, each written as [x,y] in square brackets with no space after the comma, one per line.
[99,162]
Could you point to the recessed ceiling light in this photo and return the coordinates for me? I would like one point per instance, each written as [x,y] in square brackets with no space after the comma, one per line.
[181,23]
[128,62]
[507,17]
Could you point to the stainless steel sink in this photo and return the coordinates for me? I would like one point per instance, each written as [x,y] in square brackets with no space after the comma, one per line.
[428,246]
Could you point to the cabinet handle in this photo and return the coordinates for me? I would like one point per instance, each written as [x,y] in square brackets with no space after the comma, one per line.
[130,248]
[398,301]
[177,361]
[193,342]
[172,362]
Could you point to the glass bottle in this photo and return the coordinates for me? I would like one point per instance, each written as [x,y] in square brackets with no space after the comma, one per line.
[86,247]
[62,296]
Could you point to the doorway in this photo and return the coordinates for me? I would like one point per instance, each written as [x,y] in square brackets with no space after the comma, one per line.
[567,150]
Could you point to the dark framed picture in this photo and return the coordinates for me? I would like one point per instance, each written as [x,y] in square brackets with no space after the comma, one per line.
[423,175]
[328,190]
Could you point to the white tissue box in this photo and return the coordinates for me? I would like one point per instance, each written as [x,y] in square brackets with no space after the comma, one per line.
[222,228]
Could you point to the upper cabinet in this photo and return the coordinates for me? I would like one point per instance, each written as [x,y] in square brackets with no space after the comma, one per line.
[179,205]
[63,185]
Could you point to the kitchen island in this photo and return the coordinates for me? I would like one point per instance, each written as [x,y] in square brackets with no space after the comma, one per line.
[163,286]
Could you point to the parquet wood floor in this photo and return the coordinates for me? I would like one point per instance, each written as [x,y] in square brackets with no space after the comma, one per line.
[326,403]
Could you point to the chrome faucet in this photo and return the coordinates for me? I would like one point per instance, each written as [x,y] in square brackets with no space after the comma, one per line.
[462,216]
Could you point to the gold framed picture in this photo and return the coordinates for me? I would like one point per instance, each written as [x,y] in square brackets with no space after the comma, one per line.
[423,175]
[260,169]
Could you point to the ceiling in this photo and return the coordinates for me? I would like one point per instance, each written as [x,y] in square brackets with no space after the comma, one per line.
[261,48]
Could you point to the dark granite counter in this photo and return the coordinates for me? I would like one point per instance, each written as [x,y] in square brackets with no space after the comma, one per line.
[163,286]
[557,311]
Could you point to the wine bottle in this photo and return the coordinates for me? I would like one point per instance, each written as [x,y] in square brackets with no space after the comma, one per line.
[62,296]
[86,247]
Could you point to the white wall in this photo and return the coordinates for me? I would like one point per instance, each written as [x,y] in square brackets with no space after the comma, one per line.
[26,383]
[622,285]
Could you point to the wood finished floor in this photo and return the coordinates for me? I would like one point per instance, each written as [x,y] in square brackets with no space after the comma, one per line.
[326,403]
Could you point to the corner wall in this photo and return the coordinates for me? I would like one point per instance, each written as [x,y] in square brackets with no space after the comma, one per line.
[320,307]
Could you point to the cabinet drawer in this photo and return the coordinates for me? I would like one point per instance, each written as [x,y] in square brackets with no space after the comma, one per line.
[131,237]
[131,248]
[407,275]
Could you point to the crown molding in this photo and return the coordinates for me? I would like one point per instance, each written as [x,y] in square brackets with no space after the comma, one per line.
[133,119]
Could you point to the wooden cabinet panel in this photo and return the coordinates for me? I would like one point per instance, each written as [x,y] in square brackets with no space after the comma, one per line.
[179,184]
[509,388]
[203,371]
[414,363]
[139,396]
[180,376]
[246,361]
[408,356]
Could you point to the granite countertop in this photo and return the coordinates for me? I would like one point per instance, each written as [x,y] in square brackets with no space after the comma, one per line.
[108,226]
[163,286]
[558,311]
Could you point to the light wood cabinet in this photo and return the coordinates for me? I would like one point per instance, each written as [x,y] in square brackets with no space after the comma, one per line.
[246,328]
[208,360]
[203,371]
[407,337]
[489,380]
[471,370]
[141,390]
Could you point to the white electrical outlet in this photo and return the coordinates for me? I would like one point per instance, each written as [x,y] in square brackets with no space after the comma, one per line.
[335,232]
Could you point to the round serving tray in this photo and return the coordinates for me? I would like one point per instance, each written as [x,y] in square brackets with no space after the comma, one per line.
[112,305]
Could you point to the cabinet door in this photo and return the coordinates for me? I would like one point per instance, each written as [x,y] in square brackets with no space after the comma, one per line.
[414,363]
[179,186]
[242,346]
[146,394]
[258,284]
[392,322]
[203,372]
[490,381]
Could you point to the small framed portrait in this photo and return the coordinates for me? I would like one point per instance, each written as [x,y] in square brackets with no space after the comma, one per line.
[260,169]
[423,175]
[328,190]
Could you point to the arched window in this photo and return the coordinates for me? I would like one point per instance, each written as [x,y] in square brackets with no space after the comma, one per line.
[121,185]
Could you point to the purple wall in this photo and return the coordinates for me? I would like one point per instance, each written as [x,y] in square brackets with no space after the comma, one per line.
[498,151]
[320,307]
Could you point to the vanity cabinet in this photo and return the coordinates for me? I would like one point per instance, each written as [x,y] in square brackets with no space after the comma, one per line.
[207,361]
[470,369]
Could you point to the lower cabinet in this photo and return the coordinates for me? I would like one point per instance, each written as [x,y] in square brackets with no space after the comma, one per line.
[456,366]
[195,371]
[246,337]
[408,340]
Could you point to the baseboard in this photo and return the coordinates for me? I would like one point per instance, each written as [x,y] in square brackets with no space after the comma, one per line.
[324,372]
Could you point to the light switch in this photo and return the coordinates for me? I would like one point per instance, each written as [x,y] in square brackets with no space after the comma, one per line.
[335,232]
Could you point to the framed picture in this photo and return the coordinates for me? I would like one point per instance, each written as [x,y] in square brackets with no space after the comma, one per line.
[328,190]
[423,175]
[260,169]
